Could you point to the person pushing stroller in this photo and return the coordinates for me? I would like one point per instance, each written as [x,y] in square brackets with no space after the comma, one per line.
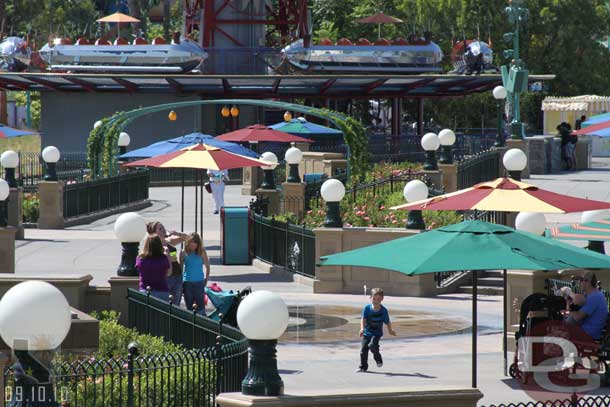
[374,315]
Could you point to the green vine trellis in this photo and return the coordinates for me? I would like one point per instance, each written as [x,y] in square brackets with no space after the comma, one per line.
[102,145]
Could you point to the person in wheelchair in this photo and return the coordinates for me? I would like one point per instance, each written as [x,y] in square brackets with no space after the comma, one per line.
[591,310]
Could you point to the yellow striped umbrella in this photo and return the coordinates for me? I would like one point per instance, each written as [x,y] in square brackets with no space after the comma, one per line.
[506,195]
[200,156]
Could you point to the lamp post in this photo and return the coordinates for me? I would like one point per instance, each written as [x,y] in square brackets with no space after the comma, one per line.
[5,190]
[594,216]
[332,192]
[50,155]
[532,222]
[129,228]
[515,161]
[34,320]
[500,94]
[446,138]
[124,141]
[430,143]
[262,317]
[269,181]
[293,157]
[287,116]
[414,191]
[9,161]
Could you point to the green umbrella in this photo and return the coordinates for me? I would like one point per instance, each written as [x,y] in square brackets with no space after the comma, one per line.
[470,245]
[595,232]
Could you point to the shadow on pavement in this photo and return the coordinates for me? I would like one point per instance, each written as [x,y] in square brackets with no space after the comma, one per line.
[289,371]
[390,374]
[250,278]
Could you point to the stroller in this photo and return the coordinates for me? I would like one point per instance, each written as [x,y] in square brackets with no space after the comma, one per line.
[535,309]
[226,303]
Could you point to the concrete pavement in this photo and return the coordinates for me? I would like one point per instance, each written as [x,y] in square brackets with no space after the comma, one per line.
[422,362]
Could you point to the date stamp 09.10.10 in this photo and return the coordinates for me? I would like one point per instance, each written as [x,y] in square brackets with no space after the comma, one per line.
[36,394]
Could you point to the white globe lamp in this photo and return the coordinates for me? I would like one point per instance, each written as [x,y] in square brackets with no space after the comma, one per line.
[9,161]
[269,180]
[430,143]
[129,228]
[447,139]
[500,94]
[293,157]
[50,156]
[415,191]
[332,192]
[5,190]
[595,216]
[514,161]
[532,222]
[97,124]
[262,317]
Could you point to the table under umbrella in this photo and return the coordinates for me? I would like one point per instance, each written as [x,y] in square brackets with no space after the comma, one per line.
[471,245]
[379,18]
[202,157]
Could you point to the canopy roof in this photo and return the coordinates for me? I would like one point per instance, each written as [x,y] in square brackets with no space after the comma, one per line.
[301,126]
[8,132]
[583,103]
[596,231]
[258,132]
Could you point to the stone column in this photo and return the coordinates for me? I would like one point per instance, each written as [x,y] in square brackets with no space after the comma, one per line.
[449,172]
[7,249]
[584,151]
[251,180]
[524,146]
[118,295]
[294,198]
[331,167]
[436,177]
[328,279]
[15,211]
[273,195]
[51,205]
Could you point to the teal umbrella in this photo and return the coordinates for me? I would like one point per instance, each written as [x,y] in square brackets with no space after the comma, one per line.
[470,245]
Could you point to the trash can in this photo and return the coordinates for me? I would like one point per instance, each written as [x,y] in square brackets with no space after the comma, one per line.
[234,239]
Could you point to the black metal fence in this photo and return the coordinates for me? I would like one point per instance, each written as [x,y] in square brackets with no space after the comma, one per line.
[484,166]
[574,401]
[284,244]
[88,197]
[72,166]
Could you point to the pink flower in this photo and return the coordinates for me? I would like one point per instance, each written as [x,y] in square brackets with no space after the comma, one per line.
[309,212]
[404,221]
[371,225]
[382,207]
[366,218]
[394,222]
[320,212]
[348,225]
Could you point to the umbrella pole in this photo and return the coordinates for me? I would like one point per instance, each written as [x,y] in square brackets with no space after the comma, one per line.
[474,329]
[379,31]
[201,194]
[505,323]
[196,179]
[182,205]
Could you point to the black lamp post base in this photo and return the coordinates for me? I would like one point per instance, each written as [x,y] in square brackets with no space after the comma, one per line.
[268,181]
[430,163]
[333,216]
[33,387]
[446,155]
[9,173]
[127,268]
[50,173]
[516,175]
[262,378]
[596,246]
[415,220]
[293,174]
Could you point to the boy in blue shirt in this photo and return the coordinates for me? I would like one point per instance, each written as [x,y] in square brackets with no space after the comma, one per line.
[374,315]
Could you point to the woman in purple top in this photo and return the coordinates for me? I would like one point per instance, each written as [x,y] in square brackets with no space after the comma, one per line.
[154,267]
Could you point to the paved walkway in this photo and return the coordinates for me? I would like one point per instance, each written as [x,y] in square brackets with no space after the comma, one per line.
[422,362]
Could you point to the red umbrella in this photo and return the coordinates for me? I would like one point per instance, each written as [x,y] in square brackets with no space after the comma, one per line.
[258,132]
[592,129]
[379,19]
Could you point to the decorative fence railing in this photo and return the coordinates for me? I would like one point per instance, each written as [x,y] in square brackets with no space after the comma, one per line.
[172,176]
[481,167]
[283,244]
[72,166]
[88,197]
[574,401]
[553,285]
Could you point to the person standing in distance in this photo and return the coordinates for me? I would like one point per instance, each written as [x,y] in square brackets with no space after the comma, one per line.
[217,183]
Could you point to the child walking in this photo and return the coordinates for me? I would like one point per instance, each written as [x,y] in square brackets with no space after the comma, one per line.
[193,258]
[374,315]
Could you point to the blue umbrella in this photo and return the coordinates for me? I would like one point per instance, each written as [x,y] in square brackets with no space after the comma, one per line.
[175,144]
[8,132]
